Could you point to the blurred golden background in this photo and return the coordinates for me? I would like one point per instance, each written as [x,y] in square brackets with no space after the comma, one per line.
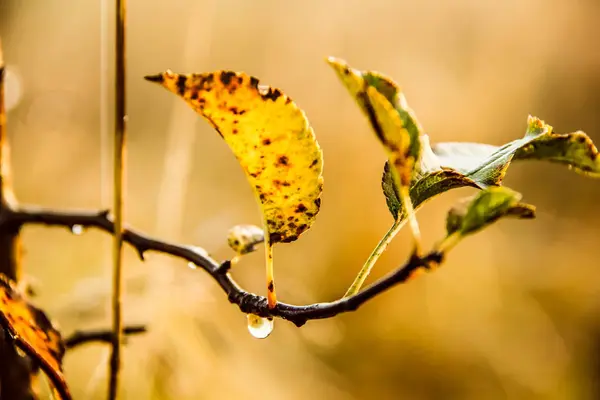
[513,313]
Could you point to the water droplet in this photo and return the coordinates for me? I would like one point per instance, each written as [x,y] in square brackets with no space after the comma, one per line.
[199,250]
[77,229]
[259,327]
[191,265]
[20,352]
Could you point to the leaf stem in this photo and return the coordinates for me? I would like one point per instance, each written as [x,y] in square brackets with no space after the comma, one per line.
[375,254]
[449,242]
[119,173]
[271,295]
[410,215]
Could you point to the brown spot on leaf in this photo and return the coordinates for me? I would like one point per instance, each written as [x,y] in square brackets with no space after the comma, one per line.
[254,82]
[266,142]
[318,202]
[275,237]
[270,286]
[301,229]
[181,80]
[290,239]
[282,160]
[226,77]
[301,208]
[272,94]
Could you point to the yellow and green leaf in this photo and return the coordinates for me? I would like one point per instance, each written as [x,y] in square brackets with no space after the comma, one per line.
[396,127]
[392,120]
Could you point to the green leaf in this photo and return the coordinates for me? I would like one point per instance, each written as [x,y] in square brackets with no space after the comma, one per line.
[437,182]
[421,190]
[475,213]
[390,191]
[487,164]
[575,150]
[446,166]
[430,181]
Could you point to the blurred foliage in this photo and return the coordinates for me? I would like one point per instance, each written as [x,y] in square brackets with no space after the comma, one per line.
[513,313]
[33,334]
[485,208]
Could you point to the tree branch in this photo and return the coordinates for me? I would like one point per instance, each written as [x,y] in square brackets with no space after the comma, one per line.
[17,376]
[79,338]
[247,302]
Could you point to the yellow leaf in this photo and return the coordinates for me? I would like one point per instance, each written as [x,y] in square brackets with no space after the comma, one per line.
[272,140]
[390,127]
[33,333]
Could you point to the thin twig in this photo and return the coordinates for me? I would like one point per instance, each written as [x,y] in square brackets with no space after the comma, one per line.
[247,302]
[79,338]
[119,172]
[374,256]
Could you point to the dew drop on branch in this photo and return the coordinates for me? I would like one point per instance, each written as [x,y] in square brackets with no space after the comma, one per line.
[77,229]
[191,265]
[20,352]
[259,327]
